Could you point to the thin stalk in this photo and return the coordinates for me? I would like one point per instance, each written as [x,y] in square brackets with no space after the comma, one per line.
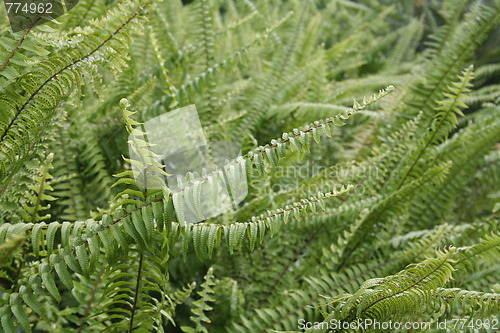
[136,294]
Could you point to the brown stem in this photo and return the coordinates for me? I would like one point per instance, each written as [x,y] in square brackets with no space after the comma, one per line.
[21,40]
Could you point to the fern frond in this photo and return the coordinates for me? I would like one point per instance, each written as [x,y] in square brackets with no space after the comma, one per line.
[287,238]
[67,183]
[441,125]
[397,295]
[39,194]
[446,66]
[480,303]
[147,172]
[393,204]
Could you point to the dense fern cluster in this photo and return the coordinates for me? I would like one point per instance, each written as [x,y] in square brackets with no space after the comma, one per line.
[369,135]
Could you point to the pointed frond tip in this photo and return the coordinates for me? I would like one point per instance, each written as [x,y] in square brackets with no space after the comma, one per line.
[298,139]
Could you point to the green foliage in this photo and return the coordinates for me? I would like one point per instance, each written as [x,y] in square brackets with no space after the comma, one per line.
[419,288]
[201,305]
[383,208]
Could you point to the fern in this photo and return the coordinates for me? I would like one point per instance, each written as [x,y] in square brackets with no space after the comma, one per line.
[385,207]
[33,207]
[199,317]
[415,288]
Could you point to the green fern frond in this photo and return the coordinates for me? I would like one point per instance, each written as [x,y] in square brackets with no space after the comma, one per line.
[67,184]
[23,120]
[454,56]
[147,172]
[397,295]
[441,125]
[39,194]
[201,306]
[480,303]
[298,140]
[287,238]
